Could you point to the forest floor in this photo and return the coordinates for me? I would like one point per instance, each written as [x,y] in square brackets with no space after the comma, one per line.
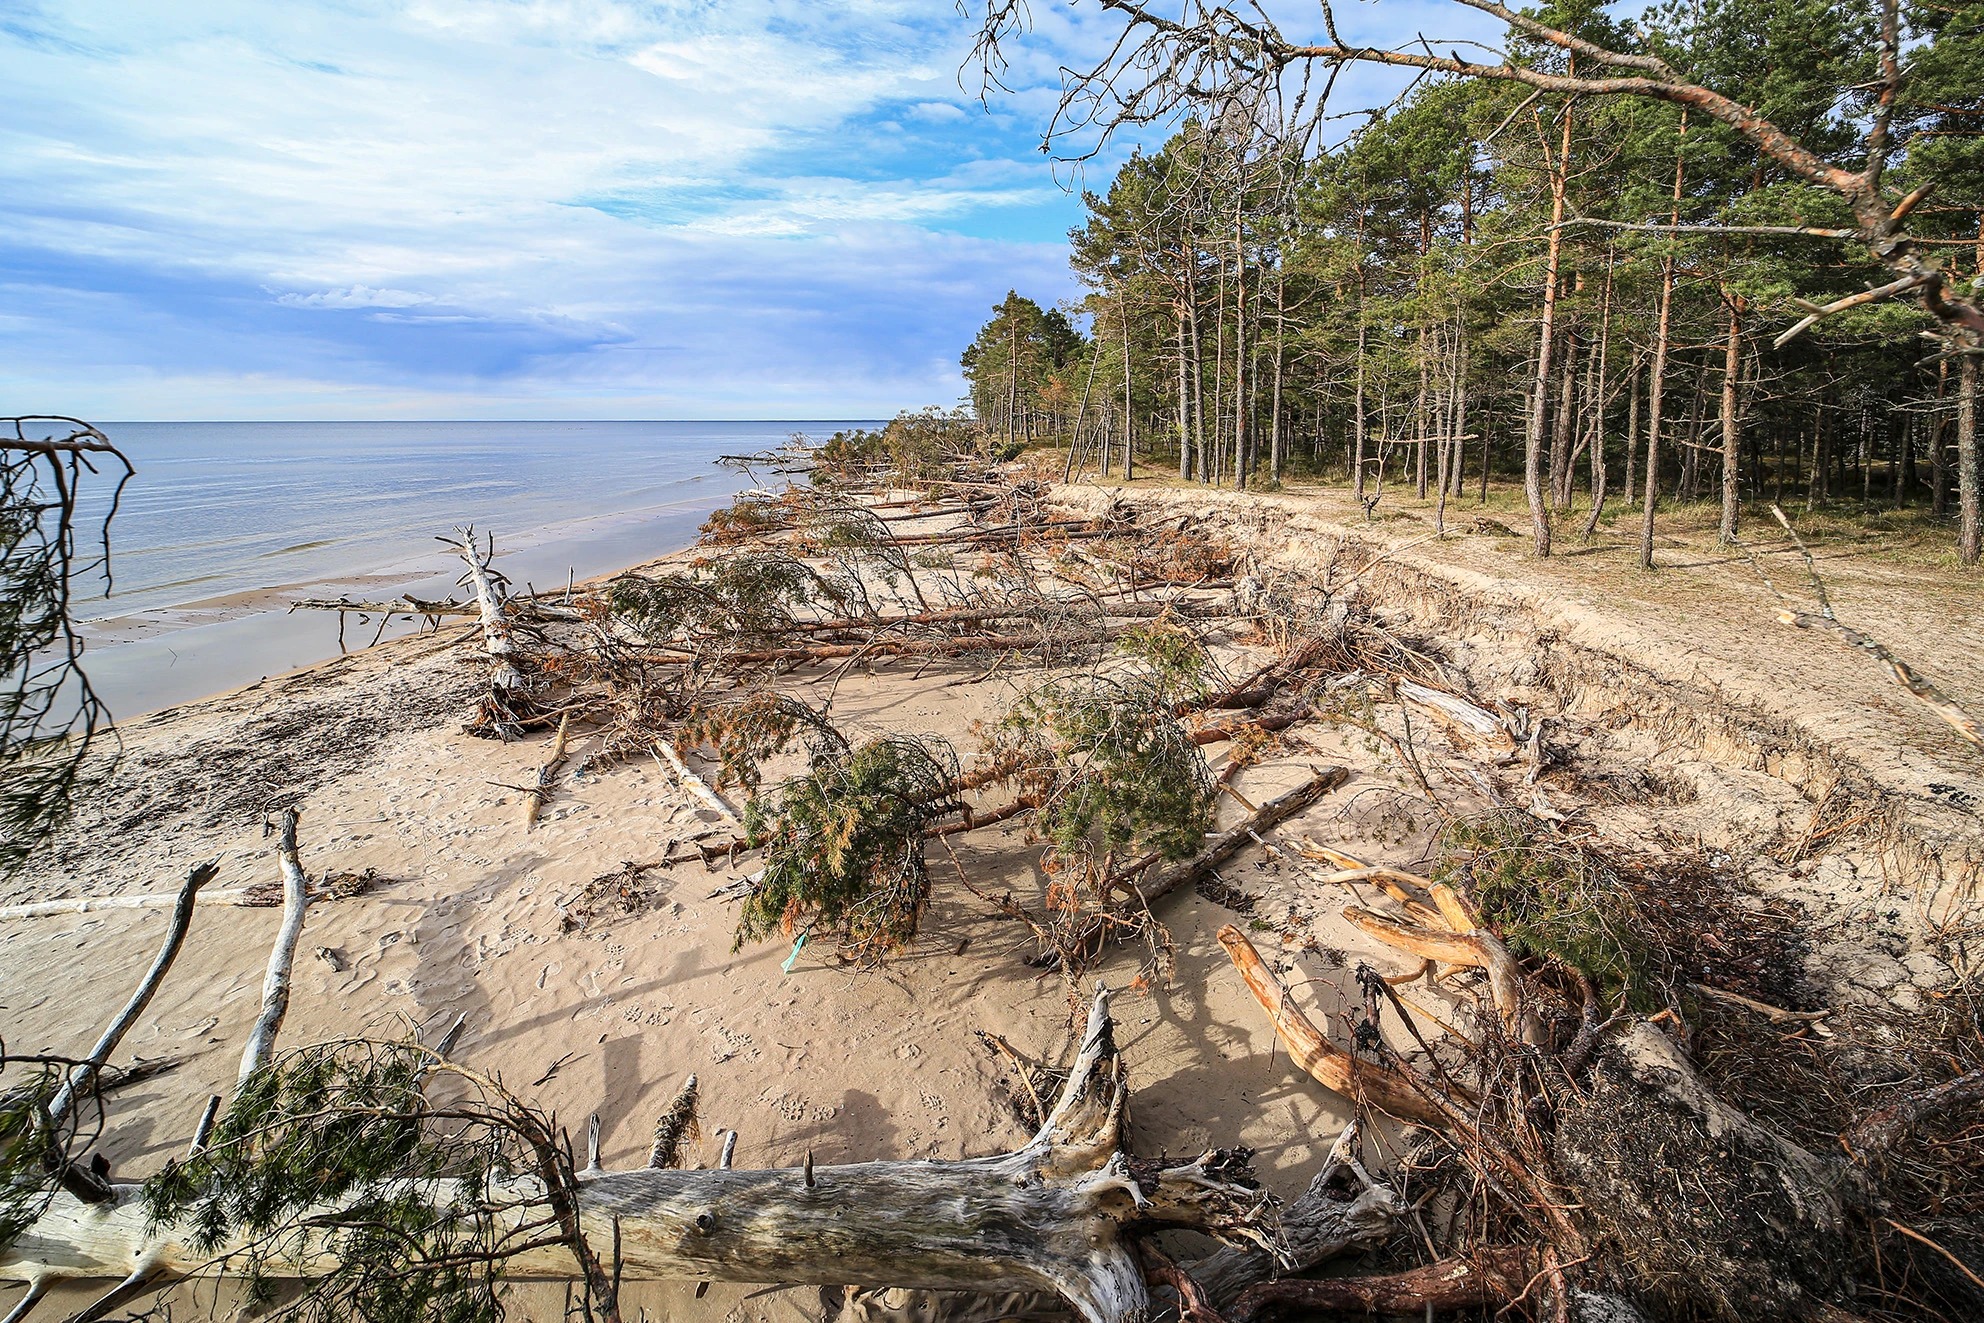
[1684,719]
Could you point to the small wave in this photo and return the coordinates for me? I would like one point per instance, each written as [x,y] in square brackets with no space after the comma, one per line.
[301,546]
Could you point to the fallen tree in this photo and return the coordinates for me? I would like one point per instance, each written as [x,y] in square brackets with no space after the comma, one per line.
[1060,1214]
[1582,1137]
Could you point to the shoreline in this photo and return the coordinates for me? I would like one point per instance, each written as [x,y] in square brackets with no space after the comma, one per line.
[147,661]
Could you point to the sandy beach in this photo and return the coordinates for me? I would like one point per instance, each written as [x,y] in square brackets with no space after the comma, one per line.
[468,914]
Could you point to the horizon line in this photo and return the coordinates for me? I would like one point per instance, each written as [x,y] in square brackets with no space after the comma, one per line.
[818,418]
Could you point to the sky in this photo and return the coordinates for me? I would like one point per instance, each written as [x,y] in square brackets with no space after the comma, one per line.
[331,209]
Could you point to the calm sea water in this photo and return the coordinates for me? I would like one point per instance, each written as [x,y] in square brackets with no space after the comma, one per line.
[223,510]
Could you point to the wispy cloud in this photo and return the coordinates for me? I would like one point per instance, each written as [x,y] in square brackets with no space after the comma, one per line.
[478,207]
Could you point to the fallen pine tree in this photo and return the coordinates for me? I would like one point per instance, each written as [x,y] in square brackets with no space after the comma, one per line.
[334,1170]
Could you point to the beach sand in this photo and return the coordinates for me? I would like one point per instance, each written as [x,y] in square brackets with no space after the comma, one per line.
[469,916]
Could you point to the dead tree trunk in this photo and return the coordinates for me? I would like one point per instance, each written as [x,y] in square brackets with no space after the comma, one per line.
[509,696]
[282,956]
[1059,1214]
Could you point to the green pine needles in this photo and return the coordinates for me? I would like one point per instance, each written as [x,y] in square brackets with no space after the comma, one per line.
[1550,900]
[1106,764]
[334,1154]
[844,844]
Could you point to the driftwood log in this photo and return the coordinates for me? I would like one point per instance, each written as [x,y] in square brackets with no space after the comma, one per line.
[1058,1214]
[509,699]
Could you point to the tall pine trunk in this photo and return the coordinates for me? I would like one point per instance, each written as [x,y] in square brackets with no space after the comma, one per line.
[1357,436]
[1419,413]
[1656,388]
[1939,453]
[1532,451]
[1966,460]
[1732,455]
[1184,405]
[1123,307]
[1239,355]
[1276,447]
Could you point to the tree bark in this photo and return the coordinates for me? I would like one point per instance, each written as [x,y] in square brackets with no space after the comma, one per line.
[1657,385]
[1123,307]
[282,956]
[1239,350]
[80,1082]
[1058,1214]
[1966,461]
[1361,1081]
[1564,424]
[1532,457]
[1184,406]
[1492,1276]
[1275,442]
[1732,369]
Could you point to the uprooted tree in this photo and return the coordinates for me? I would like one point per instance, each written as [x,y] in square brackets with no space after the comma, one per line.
[1545,1115]
[381,1180]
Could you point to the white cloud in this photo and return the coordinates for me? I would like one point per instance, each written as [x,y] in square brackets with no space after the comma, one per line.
[357,296]
[713,207]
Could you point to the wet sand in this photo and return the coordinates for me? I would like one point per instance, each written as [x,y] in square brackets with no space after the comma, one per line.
[149,660]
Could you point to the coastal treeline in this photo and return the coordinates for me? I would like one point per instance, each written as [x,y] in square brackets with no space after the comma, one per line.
[1611,296]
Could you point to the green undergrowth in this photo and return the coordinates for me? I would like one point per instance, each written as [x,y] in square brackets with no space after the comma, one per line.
[1551,900]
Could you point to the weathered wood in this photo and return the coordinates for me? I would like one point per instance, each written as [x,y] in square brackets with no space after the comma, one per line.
[1329,1065]
[1491,1277]
[1315,1228]
[282,957]
[244,897]
[496,640]
[695,785]
[948,647]
[1472,721]
[1237,838]
[547,771]
[1058,1214]
[1476,949]
[80,1080]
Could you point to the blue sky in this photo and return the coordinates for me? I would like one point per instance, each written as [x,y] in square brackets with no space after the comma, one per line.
[514,208]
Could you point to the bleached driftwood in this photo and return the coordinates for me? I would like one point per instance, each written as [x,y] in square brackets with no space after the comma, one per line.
[1458,714]
[80,1080]
[1315,1228]
[695,785]
[1058,1214]
[245,897]
[151,900]
[509,692]
[547,771]
[275,985]
[496,640]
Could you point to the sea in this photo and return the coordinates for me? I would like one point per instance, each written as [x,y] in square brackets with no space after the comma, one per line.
[224,524]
